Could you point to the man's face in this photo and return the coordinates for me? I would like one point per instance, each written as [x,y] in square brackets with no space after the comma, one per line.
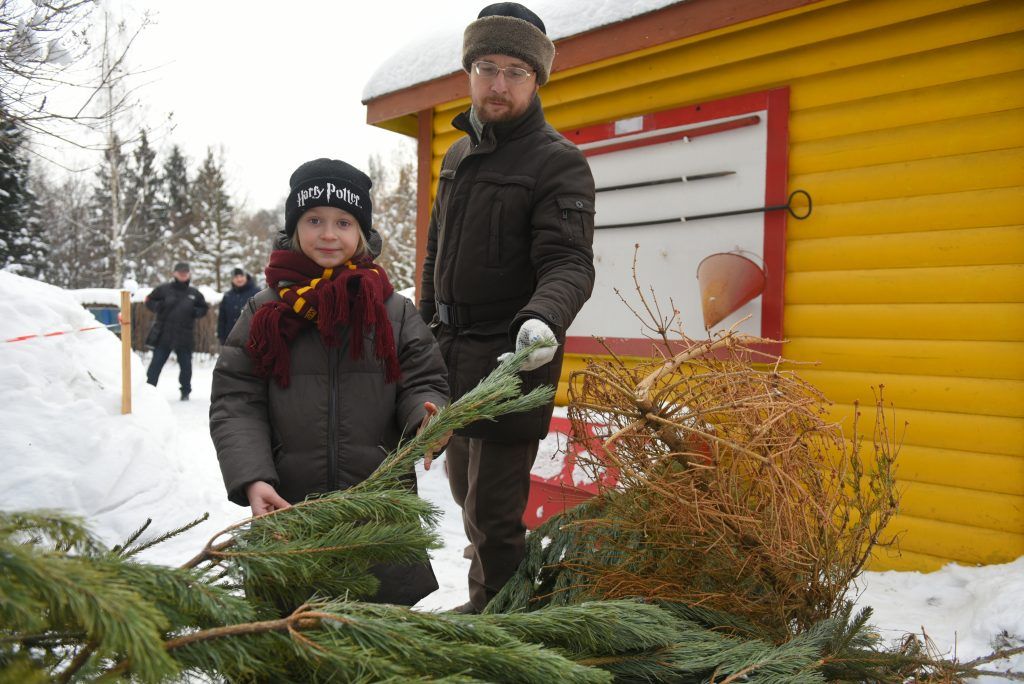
[238,280]
[496,99]
[181,276]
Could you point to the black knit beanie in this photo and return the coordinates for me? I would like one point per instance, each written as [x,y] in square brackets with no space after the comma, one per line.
[508,28]
[329,182]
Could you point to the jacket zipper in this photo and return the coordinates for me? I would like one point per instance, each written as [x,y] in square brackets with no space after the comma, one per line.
[444,238]
[332,404]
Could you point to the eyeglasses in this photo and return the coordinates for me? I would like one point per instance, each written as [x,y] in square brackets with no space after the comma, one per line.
[490,71]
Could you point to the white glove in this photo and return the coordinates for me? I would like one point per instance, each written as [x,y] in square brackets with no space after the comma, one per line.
[534,330]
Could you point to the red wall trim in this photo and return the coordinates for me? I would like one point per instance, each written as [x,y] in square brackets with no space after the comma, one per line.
[689,132]
[671,23]
[424,154]
[776,102]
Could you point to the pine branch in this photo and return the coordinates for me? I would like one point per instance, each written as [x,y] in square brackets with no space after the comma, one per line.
[73,610]
[129,552]
[87,593]
[132,537]
[496,395]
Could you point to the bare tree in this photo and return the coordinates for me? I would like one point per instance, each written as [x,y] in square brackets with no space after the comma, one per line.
[257,231]
[40,42]
[394,209]
[74,251]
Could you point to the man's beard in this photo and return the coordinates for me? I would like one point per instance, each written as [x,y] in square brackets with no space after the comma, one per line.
[506,114]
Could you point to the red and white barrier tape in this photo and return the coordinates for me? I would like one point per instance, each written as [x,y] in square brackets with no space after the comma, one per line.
[22,338]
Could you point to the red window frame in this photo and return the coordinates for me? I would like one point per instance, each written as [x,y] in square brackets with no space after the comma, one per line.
[776,103]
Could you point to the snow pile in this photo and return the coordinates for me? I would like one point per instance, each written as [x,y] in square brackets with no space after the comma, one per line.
[968,612]
[66,444]
[550,456]
[440,53]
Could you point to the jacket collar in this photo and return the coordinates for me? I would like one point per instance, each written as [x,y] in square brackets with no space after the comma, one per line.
[496,134]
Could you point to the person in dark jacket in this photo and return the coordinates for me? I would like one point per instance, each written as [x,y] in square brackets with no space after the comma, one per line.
[177,305]
[242,290]
[328,367]
[509,260]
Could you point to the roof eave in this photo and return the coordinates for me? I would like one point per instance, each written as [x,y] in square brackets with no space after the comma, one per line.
[665,25]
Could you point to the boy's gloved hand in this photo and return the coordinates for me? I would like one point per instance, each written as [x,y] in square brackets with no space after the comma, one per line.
[534,330]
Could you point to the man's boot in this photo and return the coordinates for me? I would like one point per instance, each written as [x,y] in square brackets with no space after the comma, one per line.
[465,609]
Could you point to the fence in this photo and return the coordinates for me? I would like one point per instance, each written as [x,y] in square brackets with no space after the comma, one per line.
[204,334]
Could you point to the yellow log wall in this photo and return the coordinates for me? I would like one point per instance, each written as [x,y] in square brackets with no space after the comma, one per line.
[907,128]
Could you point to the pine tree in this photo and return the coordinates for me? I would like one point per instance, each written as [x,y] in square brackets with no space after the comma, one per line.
[177,241]
[217,241]
[21,243]
[109,219]
[145,203]
[394,209]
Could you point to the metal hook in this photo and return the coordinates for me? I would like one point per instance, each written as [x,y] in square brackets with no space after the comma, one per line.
[788,206]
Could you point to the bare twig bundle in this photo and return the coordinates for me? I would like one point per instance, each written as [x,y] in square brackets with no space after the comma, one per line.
[733,490]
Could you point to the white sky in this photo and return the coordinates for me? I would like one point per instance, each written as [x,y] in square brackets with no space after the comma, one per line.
[274,84]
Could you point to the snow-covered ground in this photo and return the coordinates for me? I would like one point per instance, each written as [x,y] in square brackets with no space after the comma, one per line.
[65,445]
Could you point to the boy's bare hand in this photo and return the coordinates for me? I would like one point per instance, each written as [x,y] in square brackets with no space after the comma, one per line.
[263,498]
[428,456]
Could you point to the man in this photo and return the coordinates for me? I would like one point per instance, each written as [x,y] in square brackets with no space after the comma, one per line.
[177,305]
[242,290]
[509,261]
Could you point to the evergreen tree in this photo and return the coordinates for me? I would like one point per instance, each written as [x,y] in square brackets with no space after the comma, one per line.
[218,244]
[108,219]
[21,245]
[177,240]
[394,205]
[145,203]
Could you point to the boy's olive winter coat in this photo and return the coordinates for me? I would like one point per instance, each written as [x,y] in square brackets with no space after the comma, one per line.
[510,238]
[334,423]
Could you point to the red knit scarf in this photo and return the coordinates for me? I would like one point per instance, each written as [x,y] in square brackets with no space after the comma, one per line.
[352,294]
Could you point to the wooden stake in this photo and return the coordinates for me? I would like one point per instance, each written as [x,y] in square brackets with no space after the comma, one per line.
[126,353]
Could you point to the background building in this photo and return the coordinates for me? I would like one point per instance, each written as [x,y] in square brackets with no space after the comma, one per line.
[904,121]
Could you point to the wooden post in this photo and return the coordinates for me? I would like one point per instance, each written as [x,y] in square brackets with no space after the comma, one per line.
[126,353]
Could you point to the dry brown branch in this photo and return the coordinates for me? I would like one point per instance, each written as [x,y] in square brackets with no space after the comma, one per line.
[732,490]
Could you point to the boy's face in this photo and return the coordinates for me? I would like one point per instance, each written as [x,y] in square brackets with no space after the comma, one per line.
[238,280]
[328,235]
[496,100]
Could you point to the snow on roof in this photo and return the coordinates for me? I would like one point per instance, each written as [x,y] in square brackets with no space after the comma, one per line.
[440,53]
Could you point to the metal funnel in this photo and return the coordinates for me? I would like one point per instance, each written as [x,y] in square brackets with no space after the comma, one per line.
[727,282]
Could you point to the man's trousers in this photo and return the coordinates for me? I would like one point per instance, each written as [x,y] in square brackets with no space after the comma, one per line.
[491,482]
[160,356]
